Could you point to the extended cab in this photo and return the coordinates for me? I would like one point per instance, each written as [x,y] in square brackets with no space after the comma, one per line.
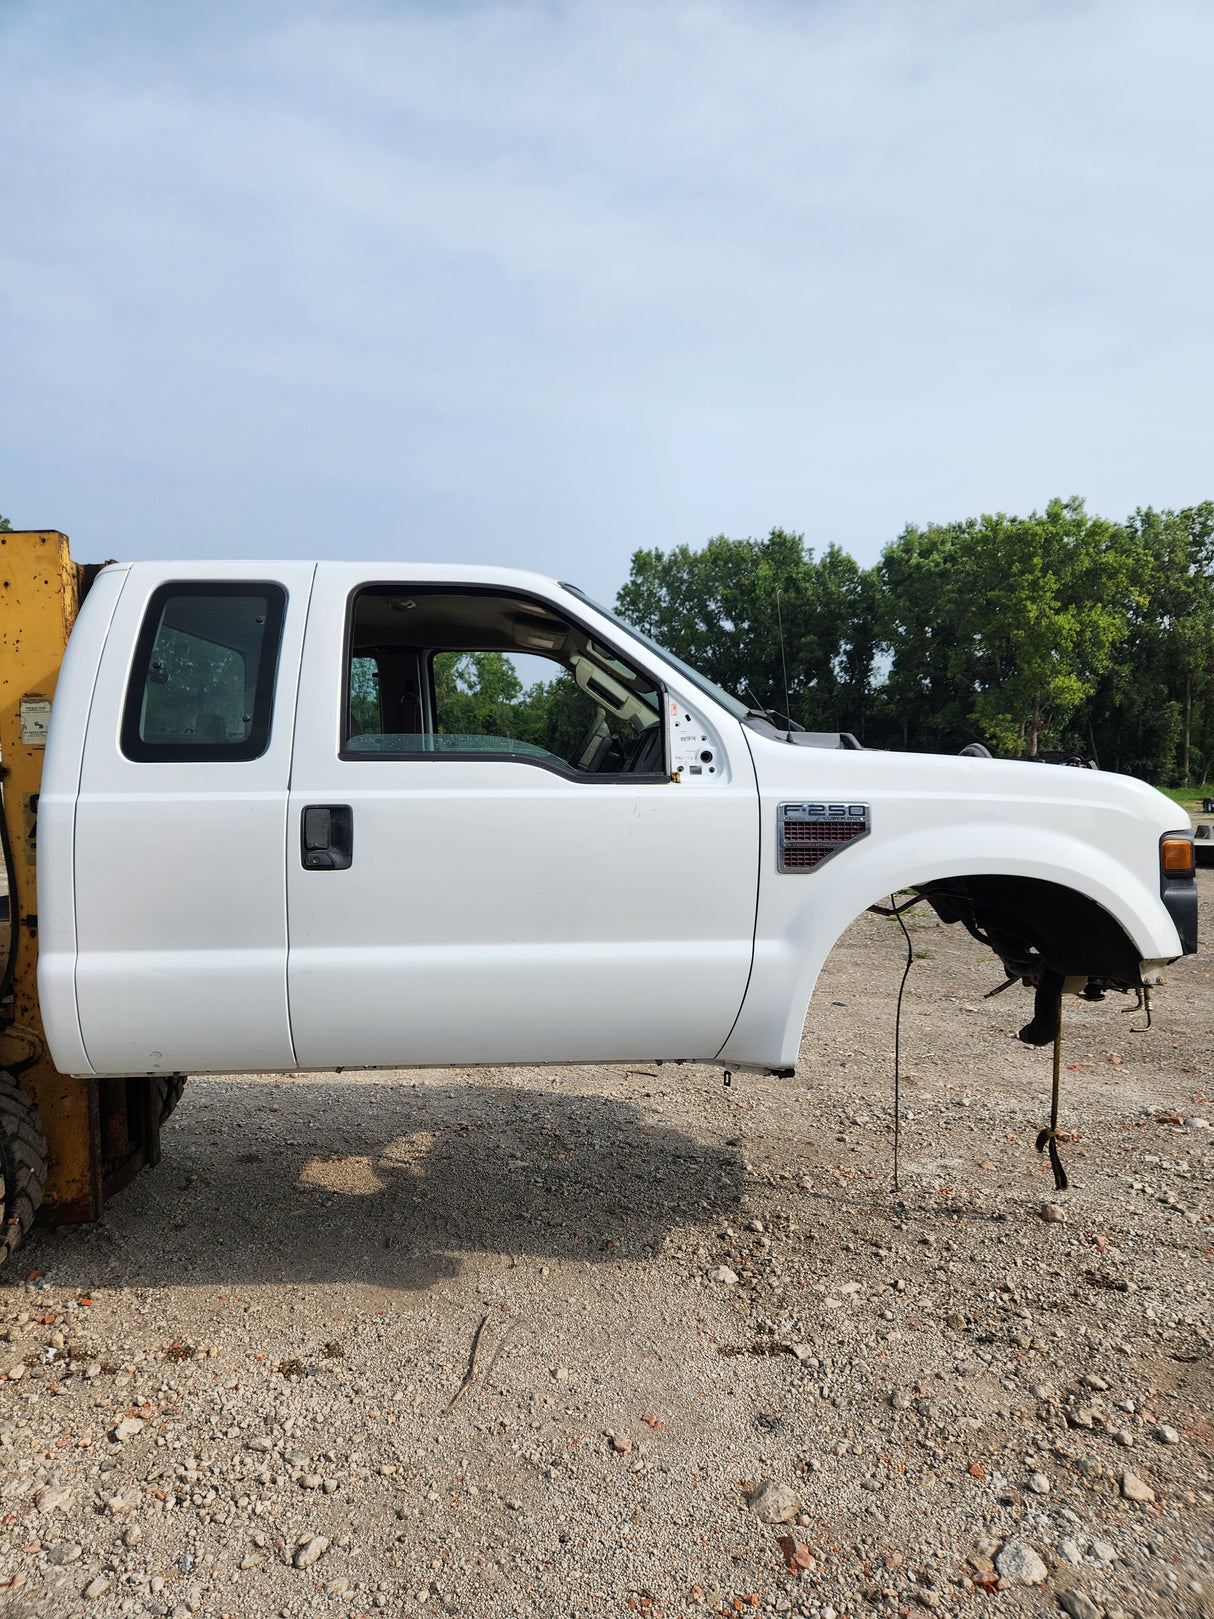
[354,815]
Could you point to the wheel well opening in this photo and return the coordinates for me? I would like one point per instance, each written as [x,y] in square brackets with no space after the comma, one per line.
[1035,927]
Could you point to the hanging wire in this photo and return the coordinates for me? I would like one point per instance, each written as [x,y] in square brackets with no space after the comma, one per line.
[1049,1137]
[896,911]
[10,874]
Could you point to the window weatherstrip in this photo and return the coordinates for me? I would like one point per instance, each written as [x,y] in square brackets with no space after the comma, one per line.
[253,746]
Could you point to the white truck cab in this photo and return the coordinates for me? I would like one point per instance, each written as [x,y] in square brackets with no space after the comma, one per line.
[286,823]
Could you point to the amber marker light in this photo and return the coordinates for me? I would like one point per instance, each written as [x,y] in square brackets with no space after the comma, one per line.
[1176,856]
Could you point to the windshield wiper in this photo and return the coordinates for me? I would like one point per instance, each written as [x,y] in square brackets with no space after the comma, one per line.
[759,712]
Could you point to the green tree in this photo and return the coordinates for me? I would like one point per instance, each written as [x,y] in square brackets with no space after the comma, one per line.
[1057,590]
[927,586]
[364,696]
[1006,624]
[1055,630]
[716,607]
[481,694]
[557,714]
[1142,715]
[722,608]
[1181,547]
[476,694]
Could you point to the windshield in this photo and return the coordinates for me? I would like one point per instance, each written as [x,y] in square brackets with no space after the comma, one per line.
[708,687]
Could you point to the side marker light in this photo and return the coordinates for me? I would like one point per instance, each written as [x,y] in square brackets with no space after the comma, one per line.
[1176,856]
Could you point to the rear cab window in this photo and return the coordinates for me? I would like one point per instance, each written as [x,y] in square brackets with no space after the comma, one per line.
[202,683]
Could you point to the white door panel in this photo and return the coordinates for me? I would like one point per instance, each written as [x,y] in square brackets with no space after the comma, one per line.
[182,930]
[519,920]
[180,879]
[498,911]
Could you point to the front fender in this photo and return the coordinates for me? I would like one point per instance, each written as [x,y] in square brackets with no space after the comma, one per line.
[802,915]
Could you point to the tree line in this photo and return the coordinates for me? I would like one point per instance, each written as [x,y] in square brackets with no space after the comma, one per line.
[1056,632]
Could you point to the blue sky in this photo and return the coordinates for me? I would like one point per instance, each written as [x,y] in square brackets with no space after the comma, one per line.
[542,283]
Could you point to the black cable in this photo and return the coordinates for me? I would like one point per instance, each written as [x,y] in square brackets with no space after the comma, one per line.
[1049,1137]
[10,873]
[910,957]
[1012,978]
[897,910]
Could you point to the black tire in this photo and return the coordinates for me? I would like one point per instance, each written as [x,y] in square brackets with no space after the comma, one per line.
[22,1164]
[168,1090]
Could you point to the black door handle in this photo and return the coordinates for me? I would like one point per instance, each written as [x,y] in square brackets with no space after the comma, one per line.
[326,837]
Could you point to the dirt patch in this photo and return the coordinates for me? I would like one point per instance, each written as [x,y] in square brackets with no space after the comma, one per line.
[948,1389]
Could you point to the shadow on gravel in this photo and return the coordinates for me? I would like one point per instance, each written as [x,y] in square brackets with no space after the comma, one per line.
[391,1186]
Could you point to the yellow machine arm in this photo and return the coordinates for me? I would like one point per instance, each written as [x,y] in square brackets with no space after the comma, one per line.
[97,1133]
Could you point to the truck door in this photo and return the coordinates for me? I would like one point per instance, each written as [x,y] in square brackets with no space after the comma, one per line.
[488,860]
[181,822]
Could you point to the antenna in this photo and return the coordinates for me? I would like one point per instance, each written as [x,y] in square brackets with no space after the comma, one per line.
[783,661]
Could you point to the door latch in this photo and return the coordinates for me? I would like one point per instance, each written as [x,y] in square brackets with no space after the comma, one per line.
[326,836]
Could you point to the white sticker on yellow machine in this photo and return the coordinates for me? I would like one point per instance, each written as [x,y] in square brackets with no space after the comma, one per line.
[35,719]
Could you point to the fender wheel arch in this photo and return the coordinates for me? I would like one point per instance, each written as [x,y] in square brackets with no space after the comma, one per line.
[1032,924]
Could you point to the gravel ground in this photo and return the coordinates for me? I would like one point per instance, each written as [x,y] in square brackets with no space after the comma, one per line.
[560,1341]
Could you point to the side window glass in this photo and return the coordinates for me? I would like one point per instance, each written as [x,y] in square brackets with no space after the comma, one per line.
[481,697]
[365,717]
[441,671]
[202,685]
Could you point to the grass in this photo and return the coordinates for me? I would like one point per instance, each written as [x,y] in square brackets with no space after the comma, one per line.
[1190,797]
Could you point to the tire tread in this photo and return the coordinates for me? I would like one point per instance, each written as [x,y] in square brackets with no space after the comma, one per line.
[22,1164]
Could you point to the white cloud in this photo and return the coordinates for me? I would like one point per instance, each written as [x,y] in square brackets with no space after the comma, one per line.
[545,282]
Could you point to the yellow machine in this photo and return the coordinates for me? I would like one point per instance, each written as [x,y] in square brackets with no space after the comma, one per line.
[66,1143]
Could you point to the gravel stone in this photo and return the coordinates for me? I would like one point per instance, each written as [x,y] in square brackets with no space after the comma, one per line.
[774,1503]
[1079,1605]
[56,1498]
[1019,1563]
